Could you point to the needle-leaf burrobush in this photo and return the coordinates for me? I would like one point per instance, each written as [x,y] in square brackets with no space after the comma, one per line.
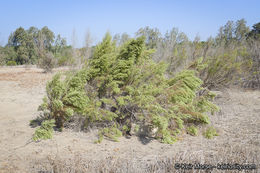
[123,88]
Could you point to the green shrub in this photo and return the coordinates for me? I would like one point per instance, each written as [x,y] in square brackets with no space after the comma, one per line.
[192,130]
[64,60]
[126,87]
[45,131]
[210,132]
[64,98]
[112,133]
[11,63]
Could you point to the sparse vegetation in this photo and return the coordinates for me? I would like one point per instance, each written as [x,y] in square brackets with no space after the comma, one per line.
[192,130]
[11,63]
[45,131]
[210,132]
[46,62]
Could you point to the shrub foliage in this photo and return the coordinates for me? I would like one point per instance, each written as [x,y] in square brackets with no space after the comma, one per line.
[45,131]
[210,132]
[11,63]
[124,86]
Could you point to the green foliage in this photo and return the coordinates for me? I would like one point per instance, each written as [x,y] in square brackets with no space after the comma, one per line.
[11,63]
[152,36]
[233,32]
[30,46]
[125,87]
[64,55]
[7,54]
[2,58]
[112,133]
[210,132]
[129,56]
[45,131]
[255,32]
[64,98]
[102,55]
[192,130]
[23,45]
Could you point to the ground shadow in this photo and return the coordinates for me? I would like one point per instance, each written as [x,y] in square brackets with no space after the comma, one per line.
[144,139]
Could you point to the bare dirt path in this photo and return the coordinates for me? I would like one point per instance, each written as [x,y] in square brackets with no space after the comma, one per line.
[22,90]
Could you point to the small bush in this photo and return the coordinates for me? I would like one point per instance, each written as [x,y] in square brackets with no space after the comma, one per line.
[45,131]
[11,63]
[64,98]
[210,132]
[47,62]
[2,57]
[192,130]
[112,133]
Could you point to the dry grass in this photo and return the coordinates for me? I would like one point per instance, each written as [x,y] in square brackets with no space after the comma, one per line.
[28,76]
[228,153]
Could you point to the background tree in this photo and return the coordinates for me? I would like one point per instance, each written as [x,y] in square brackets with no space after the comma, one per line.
[229,31]
[241,30]
[28,46]
[255,32]
[48,37]
[24,46]
[2,56]
[59,44]
[121,39]
[88,44]
[152,36]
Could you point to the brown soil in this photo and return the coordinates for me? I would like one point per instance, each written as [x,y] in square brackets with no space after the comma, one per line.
[22,90]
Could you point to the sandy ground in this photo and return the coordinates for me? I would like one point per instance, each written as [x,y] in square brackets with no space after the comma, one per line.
[22,90]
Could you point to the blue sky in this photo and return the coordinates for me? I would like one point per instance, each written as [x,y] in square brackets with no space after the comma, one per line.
[202,17]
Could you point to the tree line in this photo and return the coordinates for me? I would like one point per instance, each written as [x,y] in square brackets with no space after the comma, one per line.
[232,55]
[42,47]
[29,46]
